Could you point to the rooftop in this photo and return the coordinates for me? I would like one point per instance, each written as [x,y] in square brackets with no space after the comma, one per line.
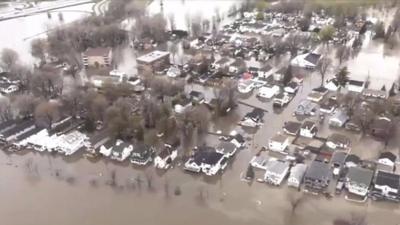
[152,56]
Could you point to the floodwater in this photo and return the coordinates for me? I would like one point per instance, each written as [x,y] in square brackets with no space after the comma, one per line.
[18,33]
[39,188]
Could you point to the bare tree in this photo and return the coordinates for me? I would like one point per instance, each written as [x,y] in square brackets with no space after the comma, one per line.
[46,113]
[5,108]
[323,66]
[23,105]
[38,49]
[9,58]
[342,53]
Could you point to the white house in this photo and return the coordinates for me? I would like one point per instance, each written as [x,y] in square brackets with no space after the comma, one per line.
[388,159]
[296,175]
[308,129]
[121,150]
[164,159]
[268,92]
[386,186]
[358,180]
[276,171]
[307,61]
[339,118]
[355,86]
[259,162]
[278,142]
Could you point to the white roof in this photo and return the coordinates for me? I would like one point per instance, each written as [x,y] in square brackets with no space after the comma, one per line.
[152,56]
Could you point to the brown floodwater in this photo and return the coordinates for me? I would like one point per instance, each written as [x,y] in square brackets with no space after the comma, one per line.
[38,188]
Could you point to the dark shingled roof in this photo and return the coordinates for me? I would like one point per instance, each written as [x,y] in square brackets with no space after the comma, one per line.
[292,127]
[318,171]
[388,179]
[388,155]
[312,58]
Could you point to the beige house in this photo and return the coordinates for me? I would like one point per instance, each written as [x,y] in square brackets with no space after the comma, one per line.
[97,57]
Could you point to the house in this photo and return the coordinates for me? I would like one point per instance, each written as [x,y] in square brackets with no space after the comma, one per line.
[264,71]
[17,129]
[291,87]
[196,96]
[235,138]
[332,85]
[307,61]
[296,175]
[278,142]
[97,57]
[222,63]
[121,150]
[371,93]
[306,108]
[317,176]
[280,74]
[388,159]
[315,96]
[155,59]
[253,118]
[355,86]
[141,154]
[268,91]
[308,129]
[353,125]
[338,119]
[381,127]
[338,141]
[245,86]
[358,180]
[206,160]
[259,162]
[237,67]
[352,161]
[166,156]
[338,161]
[71,142]
[282,99]
[292,128]
[174,72]
[328,106]
[227,148]
[386,186]
[276,171]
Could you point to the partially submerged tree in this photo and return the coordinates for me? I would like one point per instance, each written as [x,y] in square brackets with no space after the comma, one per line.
[342,53]
[38,49]
[46,113]
[323,66]
[9,58]
[342,77]
[326,34]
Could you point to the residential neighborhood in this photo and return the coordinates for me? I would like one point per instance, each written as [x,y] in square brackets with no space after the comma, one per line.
[252,111]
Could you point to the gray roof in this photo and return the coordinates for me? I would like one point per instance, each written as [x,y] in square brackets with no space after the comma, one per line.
[360,175]
[298,171]
[339,139]
[277,166]
[339,158]
[318,171]
[312,58]
[226,147]
[279,138]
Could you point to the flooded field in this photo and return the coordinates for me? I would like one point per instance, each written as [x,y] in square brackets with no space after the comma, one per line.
[21,31]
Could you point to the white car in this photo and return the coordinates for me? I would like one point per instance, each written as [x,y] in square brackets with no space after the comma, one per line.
[268,92]
[246,86]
